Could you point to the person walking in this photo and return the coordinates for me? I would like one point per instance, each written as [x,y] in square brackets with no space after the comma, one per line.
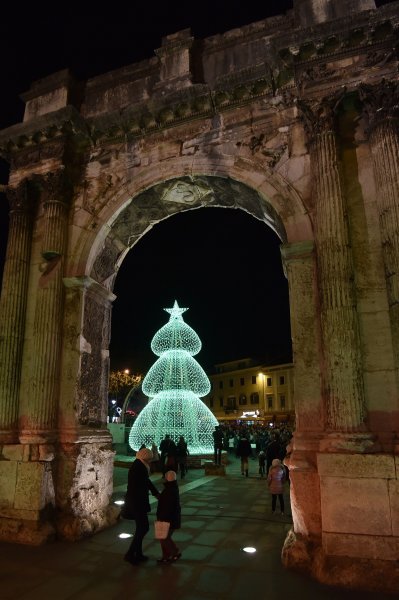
[275,481]
[182,453]
[273,450]
[218,444]
[171,458]
[164,449]
[155,462]
[262,462]
[244,450]
[137,505]
[169,510]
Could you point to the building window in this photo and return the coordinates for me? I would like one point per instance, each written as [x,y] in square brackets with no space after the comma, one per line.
[282,401]
[221,400]
[254,379]
[282,380]
[210,402]
[231,382]
[269,382]
[220,385]
[255,398]
[270,402]
[242,381]
[242,399]
[231,402]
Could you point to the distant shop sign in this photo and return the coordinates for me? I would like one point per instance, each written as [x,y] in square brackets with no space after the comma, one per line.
[250,414]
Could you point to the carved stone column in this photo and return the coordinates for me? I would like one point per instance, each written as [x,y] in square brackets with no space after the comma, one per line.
[342,372]
[382,108]
[300,267]
[38,415]
[13,306]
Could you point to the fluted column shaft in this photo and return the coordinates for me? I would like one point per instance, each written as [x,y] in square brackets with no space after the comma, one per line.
[340,330]
[39,417]
[299,265]
[384,142]
[13,307]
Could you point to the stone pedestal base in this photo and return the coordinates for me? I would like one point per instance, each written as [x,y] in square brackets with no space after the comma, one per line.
[369,574]
[41,498]
[212,469]
[357,544]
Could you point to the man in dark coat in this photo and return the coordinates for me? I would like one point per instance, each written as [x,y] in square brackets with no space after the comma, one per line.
[182,453]
[166,448]
[169,510]
[244,450]
[218,444]
[137,505]
[273,450]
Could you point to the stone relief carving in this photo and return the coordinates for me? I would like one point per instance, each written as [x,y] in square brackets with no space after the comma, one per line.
[185,192]
[95,192]
[89,409]
[104,265]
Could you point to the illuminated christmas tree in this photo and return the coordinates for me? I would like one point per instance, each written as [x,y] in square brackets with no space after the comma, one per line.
[174,385]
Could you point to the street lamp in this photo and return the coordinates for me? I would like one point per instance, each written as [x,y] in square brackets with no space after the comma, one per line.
[262,377]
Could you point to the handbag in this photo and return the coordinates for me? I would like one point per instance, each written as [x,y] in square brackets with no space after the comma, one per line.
[161,529]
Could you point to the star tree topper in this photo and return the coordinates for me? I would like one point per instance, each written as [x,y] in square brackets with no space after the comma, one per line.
[175,312]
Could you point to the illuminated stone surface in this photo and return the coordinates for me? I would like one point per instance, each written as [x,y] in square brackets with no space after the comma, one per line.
[258,127]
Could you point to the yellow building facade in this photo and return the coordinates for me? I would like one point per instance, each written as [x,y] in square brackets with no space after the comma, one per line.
[246,390]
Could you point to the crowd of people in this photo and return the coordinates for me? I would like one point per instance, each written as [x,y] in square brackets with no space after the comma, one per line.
[247,442]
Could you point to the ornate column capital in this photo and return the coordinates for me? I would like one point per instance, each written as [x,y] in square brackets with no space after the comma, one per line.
[55,186]
[56,192]
[380,102]
[319,115]
[22,198]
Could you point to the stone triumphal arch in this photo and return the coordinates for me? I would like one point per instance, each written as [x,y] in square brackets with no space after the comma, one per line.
[293,119]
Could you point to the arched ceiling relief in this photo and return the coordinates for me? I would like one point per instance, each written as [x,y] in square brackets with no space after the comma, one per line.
[171,197]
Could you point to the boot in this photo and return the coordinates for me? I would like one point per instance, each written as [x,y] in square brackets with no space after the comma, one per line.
[246,473]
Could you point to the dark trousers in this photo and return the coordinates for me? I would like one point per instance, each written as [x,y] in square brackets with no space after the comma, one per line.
[142,527]
[274,502]
[183,468]
[218,456]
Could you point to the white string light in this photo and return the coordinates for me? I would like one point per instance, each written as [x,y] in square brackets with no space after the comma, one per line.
[175,384]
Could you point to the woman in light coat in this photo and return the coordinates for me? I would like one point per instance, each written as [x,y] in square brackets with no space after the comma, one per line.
[275,481]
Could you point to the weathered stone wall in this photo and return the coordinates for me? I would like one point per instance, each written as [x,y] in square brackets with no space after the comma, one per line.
[250,120]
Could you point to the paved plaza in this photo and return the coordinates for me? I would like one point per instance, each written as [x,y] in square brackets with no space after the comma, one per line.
[220,516]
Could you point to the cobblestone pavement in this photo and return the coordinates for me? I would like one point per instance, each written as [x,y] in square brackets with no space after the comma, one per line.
[220,516]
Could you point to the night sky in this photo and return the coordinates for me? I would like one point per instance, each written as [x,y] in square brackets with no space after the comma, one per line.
[222,264]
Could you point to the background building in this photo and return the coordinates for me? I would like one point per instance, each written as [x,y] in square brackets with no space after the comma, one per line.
[248,390]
